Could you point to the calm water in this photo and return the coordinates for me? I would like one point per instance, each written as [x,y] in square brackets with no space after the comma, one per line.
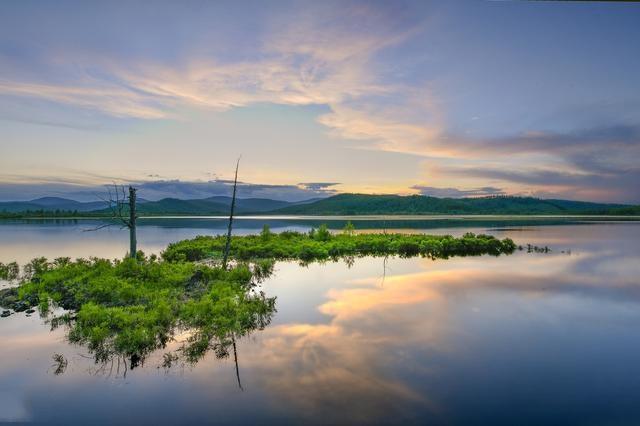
[524,339]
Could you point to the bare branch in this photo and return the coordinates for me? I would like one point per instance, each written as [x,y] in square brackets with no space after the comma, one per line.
[227,245]
[115,203]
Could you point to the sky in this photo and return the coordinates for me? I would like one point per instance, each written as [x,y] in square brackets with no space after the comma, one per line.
[464,98]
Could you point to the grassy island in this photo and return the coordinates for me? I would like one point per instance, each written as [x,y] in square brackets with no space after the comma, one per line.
[320,244]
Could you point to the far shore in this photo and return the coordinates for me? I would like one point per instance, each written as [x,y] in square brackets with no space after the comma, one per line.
[351,217]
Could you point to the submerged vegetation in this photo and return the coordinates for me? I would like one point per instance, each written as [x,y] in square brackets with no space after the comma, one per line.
[126,309]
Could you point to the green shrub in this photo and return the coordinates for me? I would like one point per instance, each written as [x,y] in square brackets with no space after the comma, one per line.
[323,234]
[132,307]
[320,244]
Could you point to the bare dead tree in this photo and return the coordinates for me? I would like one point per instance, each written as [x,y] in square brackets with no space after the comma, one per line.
[227,245]
[131,223]
[117,202]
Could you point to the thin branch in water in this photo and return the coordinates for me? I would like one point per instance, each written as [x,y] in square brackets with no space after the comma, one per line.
[97,228]
[384,271]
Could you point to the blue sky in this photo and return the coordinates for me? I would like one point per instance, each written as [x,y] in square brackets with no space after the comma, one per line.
[442,98]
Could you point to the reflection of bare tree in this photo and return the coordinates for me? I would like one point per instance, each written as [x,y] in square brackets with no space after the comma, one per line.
[114,367]
[349,261]
[235,360]
[384,270]
[59,364]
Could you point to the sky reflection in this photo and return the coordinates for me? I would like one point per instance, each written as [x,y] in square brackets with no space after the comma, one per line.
[524,339]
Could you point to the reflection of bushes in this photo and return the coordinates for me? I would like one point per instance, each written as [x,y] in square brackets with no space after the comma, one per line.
[321,245]
[131,308]
[9,271]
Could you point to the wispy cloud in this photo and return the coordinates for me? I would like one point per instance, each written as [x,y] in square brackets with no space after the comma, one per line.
[458,193]
[598,163]
[157,189]
[319,186]
[112,100]
[316,56]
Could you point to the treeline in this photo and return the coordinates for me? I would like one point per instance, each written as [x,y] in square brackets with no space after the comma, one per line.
[42,213]
[365,204]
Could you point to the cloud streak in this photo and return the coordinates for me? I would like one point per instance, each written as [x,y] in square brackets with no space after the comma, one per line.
[597,163]
[458,193]
[158,189]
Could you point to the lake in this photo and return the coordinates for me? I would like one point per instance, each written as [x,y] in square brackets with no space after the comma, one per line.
[525,339]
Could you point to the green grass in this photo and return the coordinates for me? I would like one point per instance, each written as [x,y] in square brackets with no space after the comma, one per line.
[320,245]
[131,307]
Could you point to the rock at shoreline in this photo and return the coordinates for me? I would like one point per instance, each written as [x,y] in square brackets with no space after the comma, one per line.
[9,300]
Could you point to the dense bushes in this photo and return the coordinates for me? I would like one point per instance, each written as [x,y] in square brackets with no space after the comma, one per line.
[321,245]
[132,307]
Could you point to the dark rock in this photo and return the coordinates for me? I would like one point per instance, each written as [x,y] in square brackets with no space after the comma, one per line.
[20,306]
[8,297]
[29,311]
[5,314]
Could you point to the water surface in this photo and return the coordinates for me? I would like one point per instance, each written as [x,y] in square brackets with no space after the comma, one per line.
[524,339]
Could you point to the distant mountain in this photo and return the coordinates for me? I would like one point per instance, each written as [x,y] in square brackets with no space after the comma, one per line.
[207,206]
[177,206]
[218,205]
[50,204]
[66,204]
[364,204]
[251,204]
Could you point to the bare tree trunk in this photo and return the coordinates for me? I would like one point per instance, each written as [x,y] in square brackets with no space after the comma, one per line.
[227,245]
[133,243]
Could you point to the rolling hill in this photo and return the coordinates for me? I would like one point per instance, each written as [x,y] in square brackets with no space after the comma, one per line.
[50,204]
[342,204]
[206,206]
[363,204]
[217,205]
